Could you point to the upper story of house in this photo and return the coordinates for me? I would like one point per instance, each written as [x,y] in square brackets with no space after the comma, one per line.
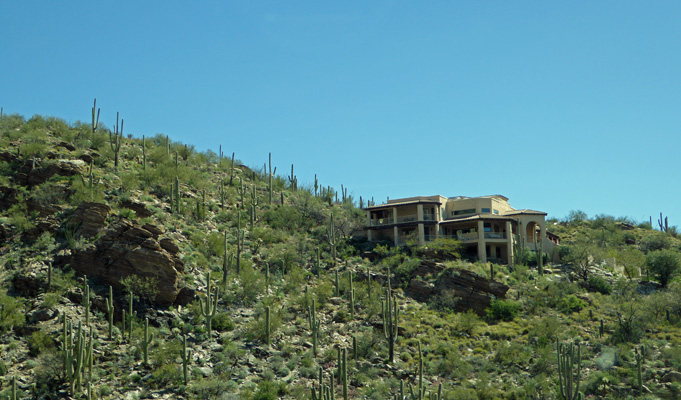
[439,208]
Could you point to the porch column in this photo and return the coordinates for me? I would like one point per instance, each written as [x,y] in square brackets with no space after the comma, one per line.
[395,233]
[422,235]
[419,212]
[437,230]
[394,215]
[482,252]
[509,243]
[370,236]
[368,218]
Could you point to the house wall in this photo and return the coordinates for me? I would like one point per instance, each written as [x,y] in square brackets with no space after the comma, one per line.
[464,204]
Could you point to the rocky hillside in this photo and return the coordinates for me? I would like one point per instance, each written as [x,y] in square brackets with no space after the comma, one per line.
[140,268]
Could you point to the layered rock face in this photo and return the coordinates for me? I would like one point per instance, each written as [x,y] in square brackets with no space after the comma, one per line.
[475,292]
[125,248]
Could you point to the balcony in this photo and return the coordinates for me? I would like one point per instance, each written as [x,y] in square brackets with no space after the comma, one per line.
[495,235]
[401,219]
[462,238]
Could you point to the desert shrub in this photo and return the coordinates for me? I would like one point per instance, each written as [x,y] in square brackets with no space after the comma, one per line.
[49,373]
[211,388]
[446,301]
[404,272]
[11,314]
[570,304]
[504,310]
[48,193]
[600,285]
[127,213]
[664,264]
[257,328]
[38,342]
[441,248]
[143,287]
[270,390]
[655,241]
[222,322]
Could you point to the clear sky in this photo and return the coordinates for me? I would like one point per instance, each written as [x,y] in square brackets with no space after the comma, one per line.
[556,105]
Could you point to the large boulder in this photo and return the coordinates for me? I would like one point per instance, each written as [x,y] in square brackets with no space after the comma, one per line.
[125,248]
[89,218]
[473,291]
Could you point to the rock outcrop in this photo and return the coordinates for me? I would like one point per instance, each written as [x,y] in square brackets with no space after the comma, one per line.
[32,174]
[89,218]
[474,292]
[125,248]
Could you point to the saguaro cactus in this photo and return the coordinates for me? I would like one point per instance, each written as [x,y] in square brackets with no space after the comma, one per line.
[115,140]
[148,338]
[86,300]
[209,306]
[390,322]
[110,311]
[331,231]
[268,340]
[240,237]
[569,369]
[186,358]
[95,121]
[314,326]
[293,180]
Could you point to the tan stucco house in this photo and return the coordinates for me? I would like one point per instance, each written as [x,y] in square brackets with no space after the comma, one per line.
[487,226]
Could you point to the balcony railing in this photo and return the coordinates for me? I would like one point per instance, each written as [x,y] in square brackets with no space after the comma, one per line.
[401,219]
[463,237]
[495,235]
[381,221]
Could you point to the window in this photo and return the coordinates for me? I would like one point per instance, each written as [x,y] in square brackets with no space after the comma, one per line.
[488,227]
[496,212]
[486,210]
[462,212]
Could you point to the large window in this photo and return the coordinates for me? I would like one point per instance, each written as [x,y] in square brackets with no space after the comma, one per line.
[463,212]
[486,210]
[488,227]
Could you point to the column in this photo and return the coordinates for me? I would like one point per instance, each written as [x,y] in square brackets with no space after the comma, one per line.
[482,252]
[394,215]
[395,233]
[422,235]
[509,243]
[419,212]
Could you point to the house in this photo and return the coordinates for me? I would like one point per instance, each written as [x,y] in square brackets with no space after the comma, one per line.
[487,226]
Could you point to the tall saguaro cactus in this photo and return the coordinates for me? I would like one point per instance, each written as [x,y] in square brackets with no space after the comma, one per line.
[115,140]
[569,369]
[148,338]
[186,358]
[95,121]
[209,306]
[110,311]
[332,239]
[314,326]
[390,322]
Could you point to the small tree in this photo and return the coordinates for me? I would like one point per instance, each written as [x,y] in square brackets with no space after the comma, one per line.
[664,264]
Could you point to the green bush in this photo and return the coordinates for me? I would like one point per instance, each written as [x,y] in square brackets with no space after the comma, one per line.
[664,264]
[38,342]
[504,310]
[11,312]
[570,304]
[269,390]
[600,285]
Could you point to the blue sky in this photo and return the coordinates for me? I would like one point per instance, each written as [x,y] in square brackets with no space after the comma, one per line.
[556,106]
